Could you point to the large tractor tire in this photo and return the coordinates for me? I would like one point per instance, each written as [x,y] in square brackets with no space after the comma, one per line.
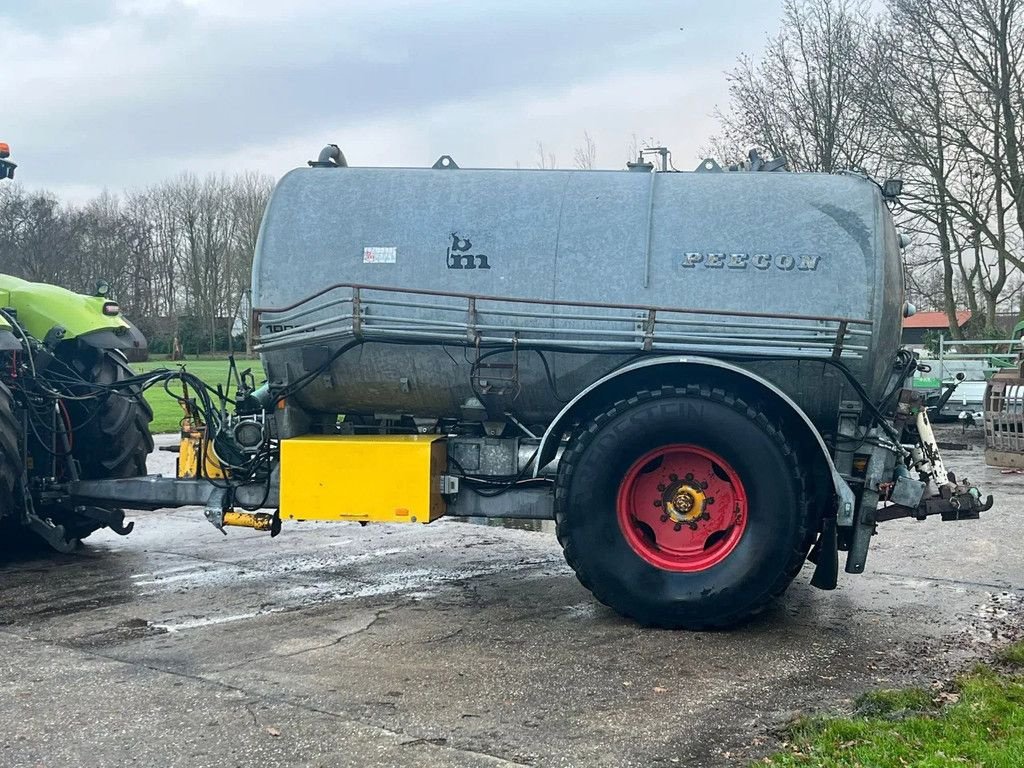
[111,437]
[11,466]
[683,508]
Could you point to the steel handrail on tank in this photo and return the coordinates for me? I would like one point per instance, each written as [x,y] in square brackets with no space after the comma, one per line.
[548,316]
[310,310]
[601,318]
[631,326]
[401,324]
[443,324]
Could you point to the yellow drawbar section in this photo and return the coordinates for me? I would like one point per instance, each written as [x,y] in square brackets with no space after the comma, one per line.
[376,478]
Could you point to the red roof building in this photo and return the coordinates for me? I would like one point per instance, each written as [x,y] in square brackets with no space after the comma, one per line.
[916,326]
[936,321]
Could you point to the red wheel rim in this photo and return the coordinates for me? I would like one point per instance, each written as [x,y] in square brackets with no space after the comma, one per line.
[682,508]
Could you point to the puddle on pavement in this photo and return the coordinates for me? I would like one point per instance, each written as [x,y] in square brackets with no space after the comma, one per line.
[123,632]
[44,584]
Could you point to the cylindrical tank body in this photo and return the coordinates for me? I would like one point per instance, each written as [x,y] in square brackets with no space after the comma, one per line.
[813,245]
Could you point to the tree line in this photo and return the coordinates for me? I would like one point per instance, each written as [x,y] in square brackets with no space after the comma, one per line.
[930,91]
[177,255]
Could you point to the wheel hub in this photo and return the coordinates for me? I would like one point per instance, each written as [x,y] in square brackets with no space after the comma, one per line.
[682,508]
[684,503]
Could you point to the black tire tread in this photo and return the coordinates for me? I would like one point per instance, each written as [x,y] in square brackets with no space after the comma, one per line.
[586,433]
[113,441]
[11,466]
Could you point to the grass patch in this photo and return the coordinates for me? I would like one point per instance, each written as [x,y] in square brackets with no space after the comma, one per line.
[895,704]
[980,724]
[167,413]
[1013,654]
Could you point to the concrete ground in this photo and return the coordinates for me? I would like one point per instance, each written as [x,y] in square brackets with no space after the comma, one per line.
[456,645]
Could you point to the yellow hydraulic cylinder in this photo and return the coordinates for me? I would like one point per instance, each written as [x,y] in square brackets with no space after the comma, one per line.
[260,521]
[192,446]
[369,478]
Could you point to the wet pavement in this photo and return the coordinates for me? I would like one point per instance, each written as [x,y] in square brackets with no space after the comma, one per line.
[457,645]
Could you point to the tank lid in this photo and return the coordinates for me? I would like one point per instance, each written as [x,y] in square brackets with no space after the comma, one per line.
[640,165]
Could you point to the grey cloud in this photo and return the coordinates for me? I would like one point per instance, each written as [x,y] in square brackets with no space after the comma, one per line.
[150,81]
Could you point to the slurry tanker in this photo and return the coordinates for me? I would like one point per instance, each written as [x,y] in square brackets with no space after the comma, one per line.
[698,376]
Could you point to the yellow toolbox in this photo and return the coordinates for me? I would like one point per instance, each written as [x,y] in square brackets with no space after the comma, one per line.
[372,478]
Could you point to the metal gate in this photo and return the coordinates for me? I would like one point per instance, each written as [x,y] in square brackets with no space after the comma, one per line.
[1004,418]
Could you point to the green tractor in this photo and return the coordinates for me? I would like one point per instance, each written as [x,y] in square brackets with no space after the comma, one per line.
[68,410]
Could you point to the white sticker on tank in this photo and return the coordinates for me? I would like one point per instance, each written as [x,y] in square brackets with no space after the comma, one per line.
[380,254]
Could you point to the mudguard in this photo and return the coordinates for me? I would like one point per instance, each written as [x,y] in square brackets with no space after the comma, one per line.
[52,314]
[552,436]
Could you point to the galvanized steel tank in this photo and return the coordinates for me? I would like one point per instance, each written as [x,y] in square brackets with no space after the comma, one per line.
[623,245]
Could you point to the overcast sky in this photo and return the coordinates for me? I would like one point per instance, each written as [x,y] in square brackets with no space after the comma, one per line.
[124,93]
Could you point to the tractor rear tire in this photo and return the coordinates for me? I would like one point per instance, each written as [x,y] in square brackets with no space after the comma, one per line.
[11,466]
[639,522]
[111,438]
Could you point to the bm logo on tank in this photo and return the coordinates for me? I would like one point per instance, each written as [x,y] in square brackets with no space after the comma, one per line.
[460,255]
[759,261]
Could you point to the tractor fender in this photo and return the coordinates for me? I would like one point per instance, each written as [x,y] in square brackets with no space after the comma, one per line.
[600,391]
[125,338]
[54,315]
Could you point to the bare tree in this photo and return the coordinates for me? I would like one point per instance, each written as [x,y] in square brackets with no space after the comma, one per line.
[951,104]
[805,99]
[203,209]
[161,203]
[585,155]
[250,194]
[38,236]
[179,250]
[103,251]
[137,236]
[545,159]
[931,91]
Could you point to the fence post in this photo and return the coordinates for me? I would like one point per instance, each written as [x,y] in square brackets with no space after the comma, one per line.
[942,366]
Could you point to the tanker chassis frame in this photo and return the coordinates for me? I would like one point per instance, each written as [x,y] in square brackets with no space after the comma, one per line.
[880,463]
